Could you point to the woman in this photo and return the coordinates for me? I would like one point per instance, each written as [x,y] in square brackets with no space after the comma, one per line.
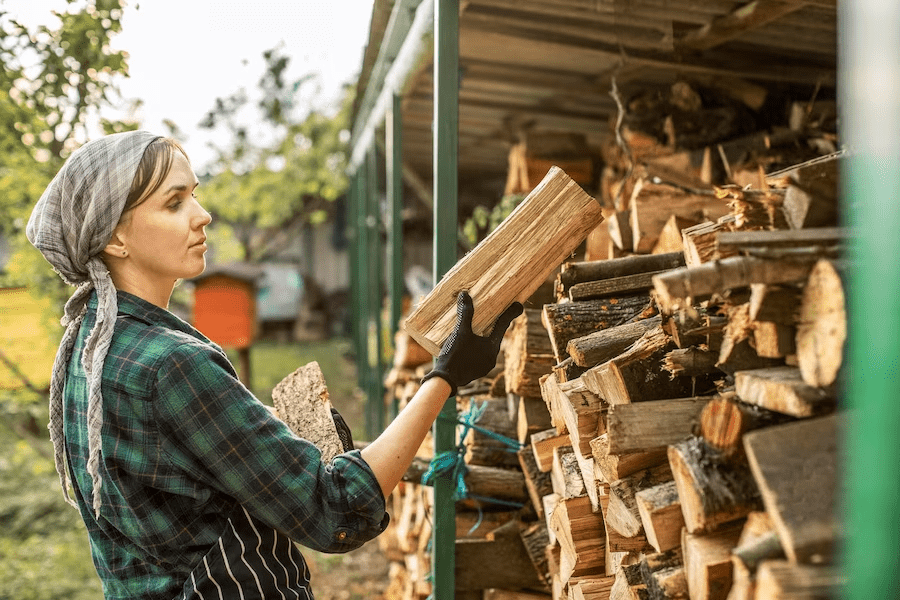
[188,485]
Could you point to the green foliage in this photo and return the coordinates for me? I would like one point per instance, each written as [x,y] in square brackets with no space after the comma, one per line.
[264,192]
[484,220]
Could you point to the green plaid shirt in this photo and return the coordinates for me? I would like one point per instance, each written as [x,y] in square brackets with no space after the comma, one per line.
[183,444]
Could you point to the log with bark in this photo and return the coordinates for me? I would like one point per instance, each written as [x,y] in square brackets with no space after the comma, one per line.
[652,425]
[660,510]
[601,346]
[707,562]
[545,228]
[783,390]
[616,466]
[572,273]
[725,419]
[528,354]
[823,326]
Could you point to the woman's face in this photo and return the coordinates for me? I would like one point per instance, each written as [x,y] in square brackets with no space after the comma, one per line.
[164,235]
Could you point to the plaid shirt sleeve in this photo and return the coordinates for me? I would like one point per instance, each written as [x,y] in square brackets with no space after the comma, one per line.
[219,432]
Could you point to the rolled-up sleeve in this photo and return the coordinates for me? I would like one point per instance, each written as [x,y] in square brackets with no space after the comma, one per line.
[215,430]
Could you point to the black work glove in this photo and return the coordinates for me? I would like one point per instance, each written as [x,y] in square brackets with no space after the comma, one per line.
[465,356]
[343,430]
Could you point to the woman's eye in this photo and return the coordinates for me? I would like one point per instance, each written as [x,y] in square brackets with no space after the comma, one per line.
[175,205]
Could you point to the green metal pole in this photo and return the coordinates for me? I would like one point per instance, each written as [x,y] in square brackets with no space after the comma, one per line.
[362,268]
[446,144]
[870,120]
[394,168]
[375,395]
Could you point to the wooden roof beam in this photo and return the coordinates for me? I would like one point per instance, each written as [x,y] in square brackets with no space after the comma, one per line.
[746,18]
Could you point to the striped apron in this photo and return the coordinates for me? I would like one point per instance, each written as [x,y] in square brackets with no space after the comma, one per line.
[250,561]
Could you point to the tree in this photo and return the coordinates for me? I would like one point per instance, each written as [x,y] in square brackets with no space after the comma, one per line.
[263,192]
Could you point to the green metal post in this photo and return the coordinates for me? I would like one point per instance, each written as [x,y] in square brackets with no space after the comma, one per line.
[362,268]
[870,119]
[376,287]
[394,167]
[446,143]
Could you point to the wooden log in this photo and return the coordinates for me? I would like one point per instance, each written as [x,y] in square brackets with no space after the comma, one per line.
[601,346]
[758,542]
[664,575]
[518,571]
[565,475]
[713,490]
[725,419]
[700,241]
[811,199]
[795,466]
[660,510]
[591,589]
[681,287]
[707,562]
[822,330]
[528,354]
[481,447]
[629,584]
[569,320]
[580,533]
[617,466]
[821,241]
[537,483]
[686,330]
[774,340]
[408,353]
[692,361]
[637,375]
[576,406]
[535,538]
[782,389]
[617,286]
[542,445]
[550,501]
[555,217]
[620,233]
[776,303]
[532,417]
[572,273]
[652,425]
[781,580]
[670,238]
[495,594]
[653,204]
[489,482]
[622,513]
[301,400]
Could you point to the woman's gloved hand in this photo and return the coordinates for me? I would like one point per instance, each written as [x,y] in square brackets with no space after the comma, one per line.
[343,430]
[465,356]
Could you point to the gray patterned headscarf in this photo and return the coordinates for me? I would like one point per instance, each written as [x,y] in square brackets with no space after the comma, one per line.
[71,225]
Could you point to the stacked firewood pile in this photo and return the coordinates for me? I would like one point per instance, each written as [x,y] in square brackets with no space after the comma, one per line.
[676,404]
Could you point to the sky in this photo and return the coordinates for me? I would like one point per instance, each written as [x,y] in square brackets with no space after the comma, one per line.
[186,53]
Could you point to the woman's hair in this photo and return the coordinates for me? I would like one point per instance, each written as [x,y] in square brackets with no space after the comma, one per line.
[152,170]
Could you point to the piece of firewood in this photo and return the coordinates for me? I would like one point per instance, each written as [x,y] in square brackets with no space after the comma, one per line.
[601,346]
[542,445]
[617,466]
[679,288]
[532,417]
[580,272]
[774,340]
[508,550]
[661,517]
[777,303]
[495,594]
[725,419]
[555,218]
[783,390]
[700,242]
[712,488]
[528,354]
[758,542]
[480,480]
[591,589]
[670,238]
[821,241]
[580,533]
[302,402]
[569,320]
[781,580]
[537,482]
[622,513]
[535,538]
[796,468]
[482,448]
[617,286]
[577,407]
[565,474]
[619,224]
[707,562]
[652,425]
[822,330]
[638,374]
[629,584]
[691,361]
[664,575]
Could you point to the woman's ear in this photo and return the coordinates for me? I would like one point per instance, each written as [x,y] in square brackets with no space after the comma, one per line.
[116,246]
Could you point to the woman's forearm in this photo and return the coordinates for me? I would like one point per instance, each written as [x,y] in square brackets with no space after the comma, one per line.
[391,453]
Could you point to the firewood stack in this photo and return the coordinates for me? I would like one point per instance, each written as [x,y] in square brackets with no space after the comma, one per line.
[677,406]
